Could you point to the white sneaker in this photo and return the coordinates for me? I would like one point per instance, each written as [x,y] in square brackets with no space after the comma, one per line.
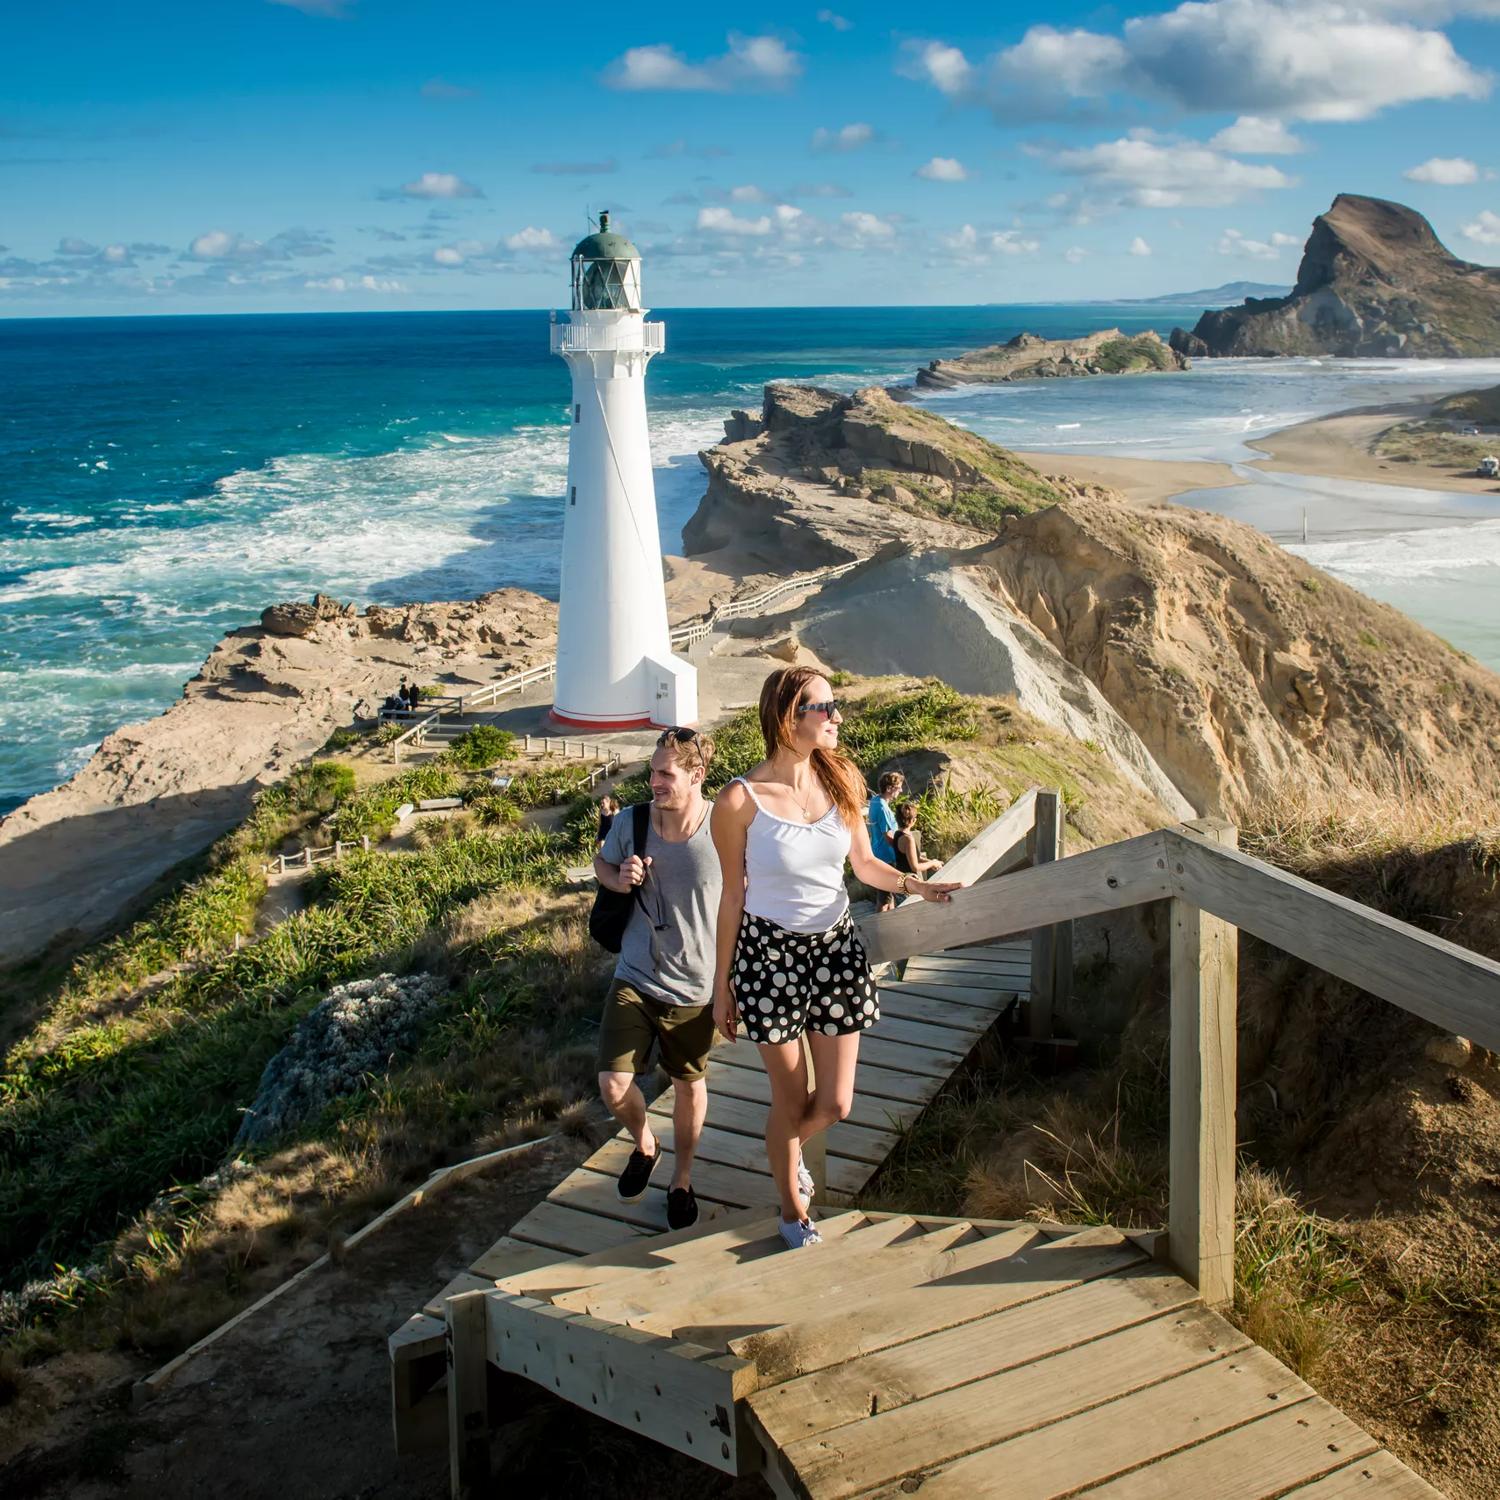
[804,1180]
[799,1234]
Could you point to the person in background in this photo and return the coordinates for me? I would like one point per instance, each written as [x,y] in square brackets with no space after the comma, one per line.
[413,697]
[609,809]
[789,962]
[882,823]
[402,695]
[909,857]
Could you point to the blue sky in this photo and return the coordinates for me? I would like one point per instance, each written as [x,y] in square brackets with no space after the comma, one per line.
[285,155]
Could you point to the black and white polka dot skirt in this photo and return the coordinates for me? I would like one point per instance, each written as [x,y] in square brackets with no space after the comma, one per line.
[786,983]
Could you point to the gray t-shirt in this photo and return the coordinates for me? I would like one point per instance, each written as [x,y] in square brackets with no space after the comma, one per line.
[668,952]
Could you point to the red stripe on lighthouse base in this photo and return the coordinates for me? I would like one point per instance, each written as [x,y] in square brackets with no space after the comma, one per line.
[573,721]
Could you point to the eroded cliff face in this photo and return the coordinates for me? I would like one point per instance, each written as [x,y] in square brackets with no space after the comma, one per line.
[267,697]
[1240,667]
[1374,280]
[819,478]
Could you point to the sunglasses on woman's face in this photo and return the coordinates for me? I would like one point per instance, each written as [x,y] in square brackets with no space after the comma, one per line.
[828,710]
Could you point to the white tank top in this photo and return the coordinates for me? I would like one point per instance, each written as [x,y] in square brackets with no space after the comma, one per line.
[795,871]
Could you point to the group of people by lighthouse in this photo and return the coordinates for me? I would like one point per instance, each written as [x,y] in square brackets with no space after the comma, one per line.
[741,927]
[739,921]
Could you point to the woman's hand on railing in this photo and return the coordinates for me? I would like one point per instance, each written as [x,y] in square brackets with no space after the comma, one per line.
[934,890]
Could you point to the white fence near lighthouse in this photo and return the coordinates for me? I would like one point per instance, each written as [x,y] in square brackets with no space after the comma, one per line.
[681,635]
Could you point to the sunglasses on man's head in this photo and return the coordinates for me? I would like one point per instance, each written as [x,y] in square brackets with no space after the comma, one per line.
[828,710]
[682,736]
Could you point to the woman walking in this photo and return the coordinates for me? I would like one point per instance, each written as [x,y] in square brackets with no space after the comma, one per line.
[788,960]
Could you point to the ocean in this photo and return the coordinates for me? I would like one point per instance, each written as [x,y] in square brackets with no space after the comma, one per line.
[163,479]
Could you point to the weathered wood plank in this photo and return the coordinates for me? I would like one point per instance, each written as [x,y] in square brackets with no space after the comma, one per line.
[949,1045]
[913,1262]
[1098,1444]
[849,1392]
[468,1397]
[675,1393]
[627,1300]
[593,1193]
[926,1433]
[418,1357]
[866,1328]
[918,1061]
[465,1281]
[998,973]
[877,1114]
[883,1083]
[748,1152]
[1000,845]
[1204,963]
[1255,1462]
[747,1117]
[1107,879]
[713,1181]
[1440,981]
[1381,1476]
[967,1021]
[990,1001]
[559,1228]
[508,1257]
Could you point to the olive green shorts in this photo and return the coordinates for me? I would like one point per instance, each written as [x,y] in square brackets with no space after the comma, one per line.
[633,1022]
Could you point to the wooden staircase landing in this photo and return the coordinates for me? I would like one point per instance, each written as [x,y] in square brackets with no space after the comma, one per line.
[915,1355]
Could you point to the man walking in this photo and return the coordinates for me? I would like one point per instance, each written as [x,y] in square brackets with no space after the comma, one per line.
[882,821]
[663,986]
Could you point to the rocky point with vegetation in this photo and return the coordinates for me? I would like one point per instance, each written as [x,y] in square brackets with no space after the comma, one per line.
[1030,357]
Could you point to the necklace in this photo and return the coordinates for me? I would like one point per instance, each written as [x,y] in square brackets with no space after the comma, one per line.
[807,816]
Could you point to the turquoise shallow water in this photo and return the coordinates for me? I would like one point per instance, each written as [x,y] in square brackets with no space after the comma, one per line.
[162,480]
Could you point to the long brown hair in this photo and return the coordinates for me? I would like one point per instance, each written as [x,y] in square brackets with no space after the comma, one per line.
[840,777]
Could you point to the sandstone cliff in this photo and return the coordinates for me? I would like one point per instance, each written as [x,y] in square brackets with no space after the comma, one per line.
[1191,648]
[158,792]
[1027,357]
[818,478]
[1374,280]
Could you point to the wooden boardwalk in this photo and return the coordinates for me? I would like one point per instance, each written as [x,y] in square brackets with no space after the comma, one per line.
[910,1354]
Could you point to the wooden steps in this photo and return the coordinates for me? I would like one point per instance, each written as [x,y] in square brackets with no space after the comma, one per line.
[953,1357]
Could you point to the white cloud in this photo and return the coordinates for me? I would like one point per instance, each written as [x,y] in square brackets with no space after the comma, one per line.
[846,138]
[974,246]
[1075,255]
[116,255]
[752,62]
[1166,174]
[383,284]
[747,192]
[72,245]
[1446,171]
[220,244]
[867,226]
[448,255]
[1138,246]
[943,169]
[832,18]
[532,238]
[1485,230]
[1264,59]
[1232,242]
[440,185]
[725,221]
[1254,135]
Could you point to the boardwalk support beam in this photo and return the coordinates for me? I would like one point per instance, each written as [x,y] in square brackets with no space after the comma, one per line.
[1051,947]
[1205,959]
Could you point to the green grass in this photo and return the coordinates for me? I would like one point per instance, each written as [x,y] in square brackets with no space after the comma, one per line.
[481,747]
[1119,356]
[94,1122]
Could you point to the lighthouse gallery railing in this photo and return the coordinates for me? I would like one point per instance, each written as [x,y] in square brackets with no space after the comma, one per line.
[581,338]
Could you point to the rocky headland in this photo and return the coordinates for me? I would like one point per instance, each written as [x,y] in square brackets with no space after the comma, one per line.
[1212,667]
[267,697]
[1028,357]
[1374,280]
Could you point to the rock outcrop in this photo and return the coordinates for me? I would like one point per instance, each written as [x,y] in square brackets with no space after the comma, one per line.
[820,478]
[158,792]
[1028,357]
[1374,280]
[1186,645]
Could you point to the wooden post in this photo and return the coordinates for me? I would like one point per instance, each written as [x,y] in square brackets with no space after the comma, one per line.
[281,860]
[468,1395]
[815,1153]
[1051,947]
[307,856]
[528,744]
[364,842]
[1200,1217]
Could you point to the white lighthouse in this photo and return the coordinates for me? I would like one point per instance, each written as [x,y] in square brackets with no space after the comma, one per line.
[615,667]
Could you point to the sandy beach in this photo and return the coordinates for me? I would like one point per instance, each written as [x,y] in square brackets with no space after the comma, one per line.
[1149,480]
[1338,447]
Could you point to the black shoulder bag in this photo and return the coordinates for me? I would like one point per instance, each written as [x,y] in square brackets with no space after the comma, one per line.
[611,911]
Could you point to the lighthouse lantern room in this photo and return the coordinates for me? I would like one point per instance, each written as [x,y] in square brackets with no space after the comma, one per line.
[615,666]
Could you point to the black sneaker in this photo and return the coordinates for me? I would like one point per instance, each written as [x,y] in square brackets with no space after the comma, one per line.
[637,1174]
[682,1208]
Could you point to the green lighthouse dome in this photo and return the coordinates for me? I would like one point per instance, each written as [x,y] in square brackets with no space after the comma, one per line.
[606,272]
